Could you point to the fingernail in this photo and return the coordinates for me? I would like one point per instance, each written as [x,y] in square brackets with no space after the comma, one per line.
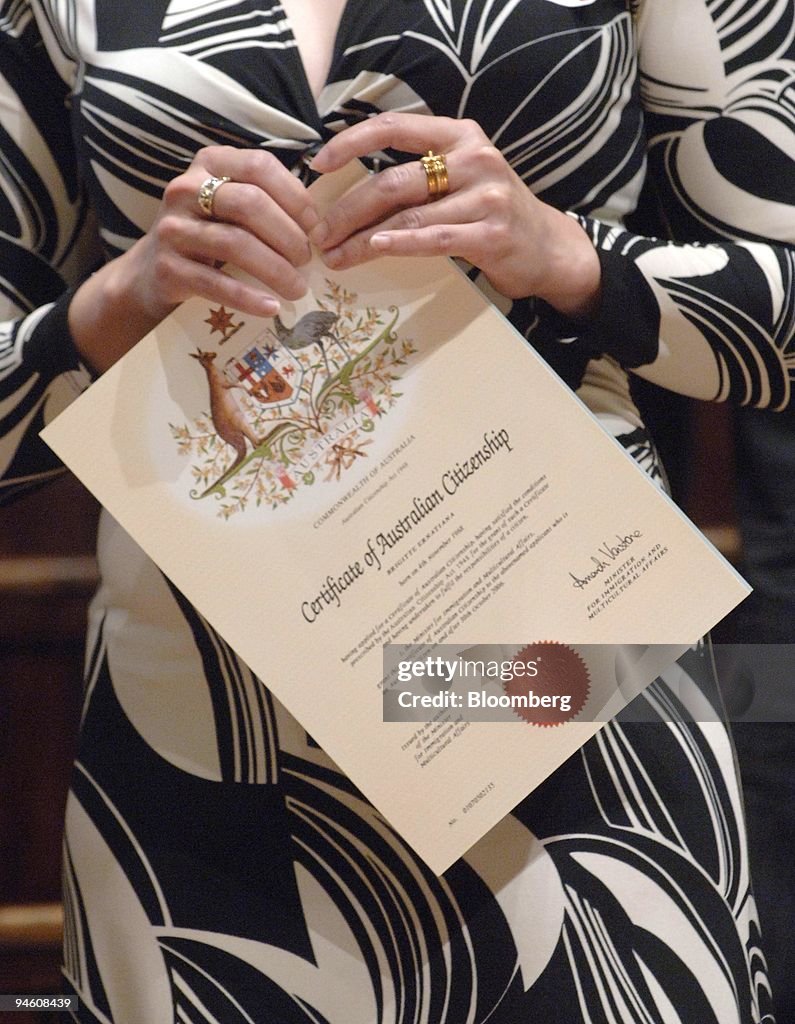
[380,240]
[319,233]
[270,306]
[333,257]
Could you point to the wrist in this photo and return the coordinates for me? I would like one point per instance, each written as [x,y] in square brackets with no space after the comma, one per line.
[104,317]
[571,282]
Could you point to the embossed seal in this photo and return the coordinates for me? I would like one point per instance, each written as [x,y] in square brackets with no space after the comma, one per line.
[559,689]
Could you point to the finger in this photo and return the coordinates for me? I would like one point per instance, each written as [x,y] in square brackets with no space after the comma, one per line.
[379,196]
[370,202]
[213,284]
[410,133]
[249,207]
[263,169]
[460,208]
[219,242]
[436,240]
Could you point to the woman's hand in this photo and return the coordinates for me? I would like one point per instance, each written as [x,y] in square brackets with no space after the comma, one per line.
[260,222]
[489,217]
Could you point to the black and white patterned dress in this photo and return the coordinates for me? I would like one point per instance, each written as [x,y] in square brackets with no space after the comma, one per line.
[218,868]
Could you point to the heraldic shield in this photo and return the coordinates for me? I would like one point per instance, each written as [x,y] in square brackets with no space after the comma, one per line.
[269,373]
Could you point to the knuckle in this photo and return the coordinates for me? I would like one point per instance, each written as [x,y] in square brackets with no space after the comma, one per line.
[224,245]
[238,288]
[266,163]
[394,179]
[443,239]
[496,236]
[214,157]
[235,293]
[164,266]
[248,165]
[225,153]
[204,155]
[237,201]
[495,199]
[299,252]
[176,190]
[411,219]
[289,241]
[470,126]
[293,287]
[488,157]
[245,204]
[243,165]
[168,229]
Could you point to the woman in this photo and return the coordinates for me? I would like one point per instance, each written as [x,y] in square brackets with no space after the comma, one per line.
[218,866]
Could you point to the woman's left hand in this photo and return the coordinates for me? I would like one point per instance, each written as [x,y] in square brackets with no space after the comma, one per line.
[489,217]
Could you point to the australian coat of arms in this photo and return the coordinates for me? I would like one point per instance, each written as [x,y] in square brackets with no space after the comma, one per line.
[294,404]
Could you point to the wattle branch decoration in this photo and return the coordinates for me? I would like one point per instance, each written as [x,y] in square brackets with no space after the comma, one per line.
[366,354]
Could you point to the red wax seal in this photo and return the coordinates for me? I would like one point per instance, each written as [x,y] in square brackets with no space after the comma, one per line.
[550,683]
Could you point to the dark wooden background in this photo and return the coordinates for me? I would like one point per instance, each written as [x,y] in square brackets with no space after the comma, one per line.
[47,574]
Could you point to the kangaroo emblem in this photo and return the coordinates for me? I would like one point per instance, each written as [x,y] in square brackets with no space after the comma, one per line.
[229,421]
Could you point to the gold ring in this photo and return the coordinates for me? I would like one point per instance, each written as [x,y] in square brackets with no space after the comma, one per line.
[435,167]
[206,194]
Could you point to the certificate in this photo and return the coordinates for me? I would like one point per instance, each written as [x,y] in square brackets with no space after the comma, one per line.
[389,462]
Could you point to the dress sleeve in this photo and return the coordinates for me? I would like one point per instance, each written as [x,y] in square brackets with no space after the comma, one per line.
[711,313]
[47,245]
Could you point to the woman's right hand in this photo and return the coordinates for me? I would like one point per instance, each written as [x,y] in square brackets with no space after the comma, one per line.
[261,218]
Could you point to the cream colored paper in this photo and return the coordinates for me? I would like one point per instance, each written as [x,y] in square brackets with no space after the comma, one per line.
[377,483]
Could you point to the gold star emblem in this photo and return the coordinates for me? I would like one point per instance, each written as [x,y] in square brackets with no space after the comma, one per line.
[221,320]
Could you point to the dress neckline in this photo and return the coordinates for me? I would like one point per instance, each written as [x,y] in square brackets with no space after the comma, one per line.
[302,79]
